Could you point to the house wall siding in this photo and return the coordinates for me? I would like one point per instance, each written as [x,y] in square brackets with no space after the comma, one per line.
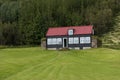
[73,46]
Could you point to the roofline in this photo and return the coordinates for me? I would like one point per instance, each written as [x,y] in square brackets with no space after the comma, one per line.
[68,27]
[68,35]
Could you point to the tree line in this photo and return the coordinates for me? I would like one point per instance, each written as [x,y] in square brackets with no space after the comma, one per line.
[25,22]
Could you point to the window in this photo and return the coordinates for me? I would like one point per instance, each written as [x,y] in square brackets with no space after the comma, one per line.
[84,40]
[49,41]
[54,41]
[59,41]
[70,32]
[81,40]
[71,41]
[76,40]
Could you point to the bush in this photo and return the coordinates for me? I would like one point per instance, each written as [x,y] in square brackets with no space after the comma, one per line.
[99,40]
[43,39]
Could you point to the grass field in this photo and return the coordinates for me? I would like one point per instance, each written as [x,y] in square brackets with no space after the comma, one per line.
[39,64]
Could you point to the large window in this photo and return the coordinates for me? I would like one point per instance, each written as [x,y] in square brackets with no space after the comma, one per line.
[54,41]
[85,40]
[74,40]
[59,40]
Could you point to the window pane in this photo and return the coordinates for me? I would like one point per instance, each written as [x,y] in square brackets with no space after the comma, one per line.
[70,32]
[70,40]
[54,41]
[81,40]
[76,40]
[49,41]
[59,41]
[85,40]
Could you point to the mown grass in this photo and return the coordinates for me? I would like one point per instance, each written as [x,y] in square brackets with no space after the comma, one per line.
[38,64]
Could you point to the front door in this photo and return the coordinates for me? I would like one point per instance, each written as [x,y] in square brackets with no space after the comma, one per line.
[65,43]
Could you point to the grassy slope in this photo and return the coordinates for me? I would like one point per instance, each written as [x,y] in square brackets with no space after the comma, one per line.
[38,64]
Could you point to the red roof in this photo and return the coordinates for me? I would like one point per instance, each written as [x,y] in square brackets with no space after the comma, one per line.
[63,31]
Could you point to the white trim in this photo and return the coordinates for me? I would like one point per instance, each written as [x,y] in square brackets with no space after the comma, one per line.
[86,47]
[77,48]
[52,48]
[70,48]
[66,42]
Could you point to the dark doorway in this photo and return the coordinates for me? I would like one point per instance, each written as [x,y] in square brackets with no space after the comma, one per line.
[65,43]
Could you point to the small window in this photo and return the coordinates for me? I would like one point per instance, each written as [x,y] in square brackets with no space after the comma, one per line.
[76,40]
[70,32]
[59,41]
[85,40]
[71,41]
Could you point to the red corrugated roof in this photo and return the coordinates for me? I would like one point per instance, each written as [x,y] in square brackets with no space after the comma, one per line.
[62,31]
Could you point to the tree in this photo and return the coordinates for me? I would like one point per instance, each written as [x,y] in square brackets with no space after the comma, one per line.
[9,12]
[32,18]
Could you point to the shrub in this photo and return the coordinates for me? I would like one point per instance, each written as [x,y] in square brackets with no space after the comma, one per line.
[43,39]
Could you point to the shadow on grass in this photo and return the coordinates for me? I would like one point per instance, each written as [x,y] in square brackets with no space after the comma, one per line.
[24,46]
[117,47]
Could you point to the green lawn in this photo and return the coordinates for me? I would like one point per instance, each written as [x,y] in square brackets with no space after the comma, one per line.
[39,64]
